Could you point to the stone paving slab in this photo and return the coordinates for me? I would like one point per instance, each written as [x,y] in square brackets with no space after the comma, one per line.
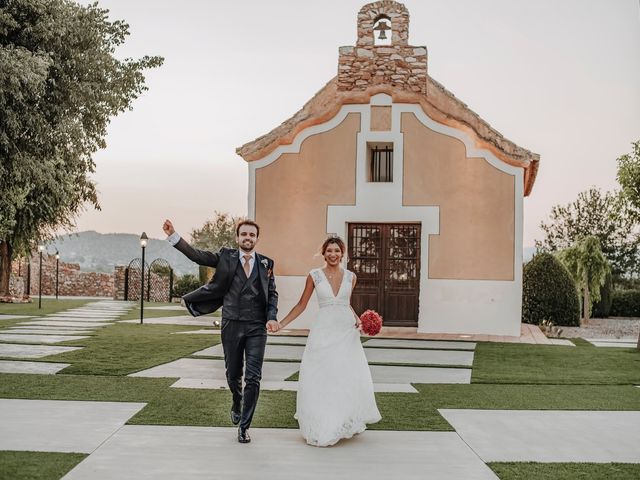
[378,355]
[282,339]
[549,436]
[614,342]
[22,326]
[79,319]
[562,341]
[32,351]
[108,316]
[62,323]
[392,374]
[425,357]
[144,452]
[181,320]
[61,426]
[215,331]
[280,352]
[17,366]
[210,384]
[214,369]
[13,317]
[55,331]
[167,307]
[99,309]
[34,338]
[428,344]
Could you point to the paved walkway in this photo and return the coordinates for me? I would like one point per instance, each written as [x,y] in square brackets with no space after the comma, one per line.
[549,436]
[35,336]
[125,451]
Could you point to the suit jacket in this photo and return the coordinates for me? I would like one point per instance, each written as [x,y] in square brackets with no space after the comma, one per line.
[210,297]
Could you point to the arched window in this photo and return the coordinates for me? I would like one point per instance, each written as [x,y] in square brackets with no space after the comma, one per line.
[382,32]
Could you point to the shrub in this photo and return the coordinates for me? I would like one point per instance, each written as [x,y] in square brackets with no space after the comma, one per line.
[548,292]
[626,303]
[602,308]
[205,273]
[185,284]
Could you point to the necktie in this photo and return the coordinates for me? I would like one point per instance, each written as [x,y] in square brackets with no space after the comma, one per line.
[247,265]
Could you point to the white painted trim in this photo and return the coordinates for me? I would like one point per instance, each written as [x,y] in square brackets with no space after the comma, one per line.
[294,147]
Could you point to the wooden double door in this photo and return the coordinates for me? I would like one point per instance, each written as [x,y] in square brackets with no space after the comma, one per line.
[386,259]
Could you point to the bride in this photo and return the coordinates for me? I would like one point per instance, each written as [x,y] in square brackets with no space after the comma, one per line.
[335,391]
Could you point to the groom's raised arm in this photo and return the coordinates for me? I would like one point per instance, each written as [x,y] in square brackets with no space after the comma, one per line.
[201,257]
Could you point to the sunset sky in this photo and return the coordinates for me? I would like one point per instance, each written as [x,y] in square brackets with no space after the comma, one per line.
[560,78]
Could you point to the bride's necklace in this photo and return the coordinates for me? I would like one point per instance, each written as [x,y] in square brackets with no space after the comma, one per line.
[330,275]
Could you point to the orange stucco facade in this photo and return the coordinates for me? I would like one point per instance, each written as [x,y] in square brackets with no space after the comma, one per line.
[476,201]
[292,195]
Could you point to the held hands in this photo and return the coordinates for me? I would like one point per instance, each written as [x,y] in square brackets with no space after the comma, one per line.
[273,326]
[167,227]
[359,324]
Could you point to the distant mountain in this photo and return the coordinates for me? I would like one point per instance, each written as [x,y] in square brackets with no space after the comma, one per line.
[101,252]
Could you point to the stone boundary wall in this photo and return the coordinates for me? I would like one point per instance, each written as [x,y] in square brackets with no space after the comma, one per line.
[71,281]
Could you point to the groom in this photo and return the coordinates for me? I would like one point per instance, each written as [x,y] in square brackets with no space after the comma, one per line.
[244,286]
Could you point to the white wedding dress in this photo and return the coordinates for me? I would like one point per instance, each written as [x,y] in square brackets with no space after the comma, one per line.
[335,391]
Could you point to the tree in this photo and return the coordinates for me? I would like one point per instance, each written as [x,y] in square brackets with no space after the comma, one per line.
[60,84]
[603,215]
[214,234]
[629,179]
[588,267]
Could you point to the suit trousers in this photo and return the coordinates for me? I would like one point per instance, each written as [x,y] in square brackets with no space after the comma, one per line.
[244,342]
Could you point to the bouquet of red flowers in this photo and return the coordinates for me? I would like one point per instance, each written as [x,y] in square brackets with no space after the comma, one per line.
[371,322]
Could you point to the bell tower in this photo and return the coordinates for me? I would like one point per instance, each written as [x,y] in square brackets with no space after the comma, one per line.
[382,55]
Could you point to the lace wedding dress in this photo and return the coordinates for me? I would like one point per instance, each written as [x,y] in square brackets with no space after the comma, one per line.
[335,391]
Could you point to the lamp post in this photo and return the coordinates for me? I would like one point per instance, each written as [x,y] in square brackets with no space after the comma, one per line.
[57,264]
[143,244]
[40,250]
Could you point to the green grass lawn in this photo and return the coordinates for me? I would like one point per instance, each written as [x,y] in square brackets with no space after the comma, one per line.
[498,363]
[126,348]
[574,471]
[134,313]
[49,305]
[37,465]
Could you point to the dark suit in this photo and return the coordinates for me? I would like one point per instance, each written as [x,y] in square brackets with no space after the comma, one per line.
[249,302]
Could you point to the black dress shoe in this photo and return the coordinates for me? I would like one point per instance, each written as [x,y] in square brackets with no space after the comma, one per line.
[235,416]
[243,435]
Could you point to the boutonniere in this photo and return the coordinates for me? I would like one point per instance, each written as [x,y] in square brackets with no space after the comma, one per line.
[264,263]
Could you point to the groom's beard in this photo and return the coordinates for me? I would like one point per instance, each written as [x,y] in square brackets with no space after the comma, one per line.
[247,246]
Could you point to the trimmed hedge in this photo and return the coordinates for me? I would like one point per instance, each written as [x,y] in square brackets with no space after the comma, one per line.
[602,309]
[626,303]
[548,292]
[185,284]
